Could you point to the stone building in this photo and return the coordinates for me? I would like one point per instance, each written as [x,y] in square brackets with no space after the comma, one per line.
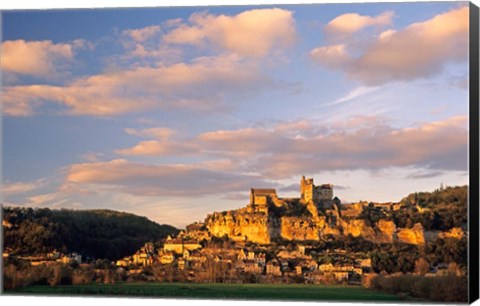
[273,268]
[179,245]
[252,266]
[321,195]
[259,199]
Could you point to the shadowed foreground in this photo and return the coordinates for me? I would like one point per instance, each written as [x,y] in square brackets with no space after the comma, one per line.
[235,291]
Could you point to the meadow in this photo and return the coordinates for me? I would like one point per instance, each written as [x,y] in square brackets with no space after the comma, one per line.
[232,291]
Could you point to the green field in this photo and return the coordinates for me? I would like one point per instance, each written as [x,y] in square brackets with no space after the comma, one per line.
[234,291]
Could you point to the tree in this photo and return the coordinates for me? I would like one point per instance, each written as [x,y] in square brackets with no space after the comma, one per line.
[422,266]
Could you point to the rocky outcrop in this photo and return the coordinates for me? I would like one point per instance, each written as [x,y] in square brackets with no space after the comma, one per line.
[387,230]
[358,228]
[456,233]
[298,228]
[262,228]
[240,226]
[414,235]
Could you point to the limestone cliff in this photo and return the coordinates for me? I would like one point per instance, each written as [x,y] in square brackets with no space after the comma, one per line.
[456,233]
[387,230]
[414,235]
[358,228]
[287,221]
[240,226]
[298,228]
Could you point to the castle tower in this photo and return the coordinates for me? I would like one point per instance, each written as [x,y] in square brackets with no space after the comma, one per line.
[307,189]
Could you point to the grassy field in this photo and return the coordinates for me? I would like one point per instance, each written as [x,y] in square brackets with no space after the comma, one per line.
[234,291]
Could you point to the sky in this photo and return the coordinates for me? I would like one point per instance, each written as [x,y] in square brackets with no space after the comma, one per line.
[172,113]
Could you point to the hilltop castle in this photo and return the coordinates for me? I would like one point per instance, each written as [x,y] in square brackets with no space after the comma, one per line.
[315,214]
[320,196]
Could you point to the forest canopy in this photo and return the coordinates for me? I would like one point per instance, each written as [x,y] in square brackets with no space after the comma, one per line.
[93,233]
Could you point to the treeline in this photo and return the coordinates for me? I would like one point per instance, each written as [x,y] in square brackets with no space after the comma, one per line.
[445,208]
[93,233]
[449,288]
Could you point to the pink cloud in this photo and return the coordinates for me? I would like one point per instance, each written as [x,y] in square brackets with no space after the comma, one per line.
[201,85]
[158,148]
[10,188]
[308,147]
[159,180]
[142,34]
[419,50]
[36,58]
[348,24]
[251,33]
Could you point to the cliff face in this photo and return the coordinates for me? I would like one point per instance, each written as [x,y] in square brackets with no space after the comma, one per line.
[298,228]
[357,228]
[387,230]
[240,226]
[414,235]
[456,233]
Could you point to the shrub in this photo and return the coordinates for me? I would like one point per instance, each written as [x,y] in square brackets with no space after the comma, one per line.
[62,275]
[449,288]
[82,276]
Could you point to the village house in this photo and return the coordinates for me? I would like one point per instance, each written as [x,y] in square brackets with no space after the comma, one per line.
[67,259]
[340,272]
[308,264]
[54,255]
[239,265]
[179,245]
[182,264]
[124,262]
[241,255]
[299,270]
[252,266]
[273,268]
[144,256]
[167,257]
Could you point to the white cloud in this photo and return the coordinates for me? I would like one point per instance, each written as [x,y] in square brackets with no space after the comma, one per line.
[352,95]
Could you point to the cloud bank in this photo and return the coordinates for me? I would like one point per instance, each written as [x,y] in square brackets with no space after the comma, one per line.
[202,85]
[420,50]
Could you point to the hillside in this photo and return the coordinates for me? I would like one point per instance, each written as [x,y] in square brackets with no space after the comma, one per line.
[418,218]
[94,233]
[444,208]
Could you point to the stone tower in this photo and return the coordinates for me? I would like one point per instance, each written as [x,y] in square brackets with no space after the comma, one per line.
[310,192]
[307,189]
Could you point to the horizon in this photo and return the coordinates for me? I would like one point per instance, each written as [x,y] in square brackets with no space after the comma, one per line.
[172,113]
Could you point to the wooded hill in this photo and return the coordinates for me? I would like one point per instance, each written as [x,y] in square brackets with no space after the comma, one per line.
[447,208]
[93,233]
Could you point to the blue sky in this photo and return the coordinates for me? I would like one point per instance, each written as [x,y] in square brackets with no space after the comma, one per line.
[173,113]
